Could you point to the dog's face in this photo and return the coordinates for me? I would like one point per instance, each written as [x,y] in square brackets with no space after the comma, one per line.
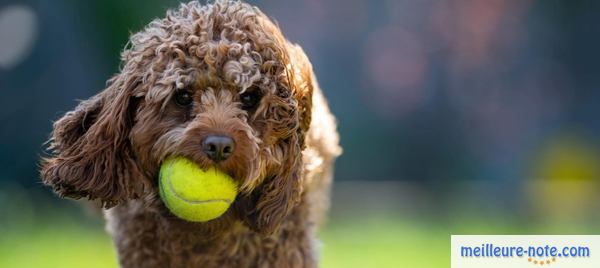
[217,84]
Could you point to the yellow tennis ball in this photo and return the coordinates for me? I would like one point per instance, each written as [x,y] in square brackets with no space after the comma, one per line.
[194,194]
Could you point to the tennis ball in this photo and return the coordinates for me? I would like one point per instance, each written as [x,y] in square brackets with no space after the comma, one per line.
[194,194]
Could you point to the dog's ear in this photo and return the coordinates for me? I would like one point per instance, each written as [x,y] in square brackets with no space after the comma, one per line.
[280,193]
[91,152]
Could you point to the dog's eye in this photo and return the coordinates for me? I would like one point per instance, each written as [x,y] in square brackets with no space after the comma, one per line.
[183,98]
[250,99]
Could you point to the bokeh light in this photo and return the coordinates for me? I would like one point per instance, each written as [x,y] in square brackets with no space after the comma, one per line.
[18,32]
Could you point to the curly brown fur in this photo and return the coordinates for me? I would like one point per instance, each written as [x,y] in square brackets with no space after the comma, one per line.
[111,146]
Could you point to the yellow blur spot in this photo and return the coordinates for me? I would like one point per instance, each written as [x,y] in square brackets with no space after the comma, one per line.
[568,157]
[566,174]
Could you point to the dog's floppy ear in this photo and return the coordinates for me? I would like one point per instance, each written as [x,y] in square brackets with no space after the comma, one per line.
[280,193]
[91,153]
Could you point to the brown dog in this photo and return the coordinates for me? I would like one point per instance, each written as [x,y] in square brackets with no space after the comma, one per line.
[218,84]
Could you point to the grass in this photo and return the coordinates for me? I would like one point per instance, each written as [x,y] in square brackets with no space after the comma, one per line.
[378,242]
[382,242]
[370,241]
[373,241]
[57,244]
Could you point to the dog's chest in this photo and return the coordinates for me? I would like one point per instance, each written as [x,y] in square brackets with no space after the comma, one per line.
[144,241]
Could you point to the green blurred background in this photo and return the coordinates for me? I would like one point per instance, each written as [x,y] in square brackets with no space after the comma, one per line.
[456,117]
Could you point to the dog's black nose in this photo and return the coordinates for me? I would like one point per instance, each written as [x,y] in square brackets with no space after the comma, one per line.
[218,148]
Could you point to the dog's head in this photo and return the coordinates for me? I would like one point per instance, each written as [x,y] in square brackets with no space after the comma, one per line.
[218,84]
